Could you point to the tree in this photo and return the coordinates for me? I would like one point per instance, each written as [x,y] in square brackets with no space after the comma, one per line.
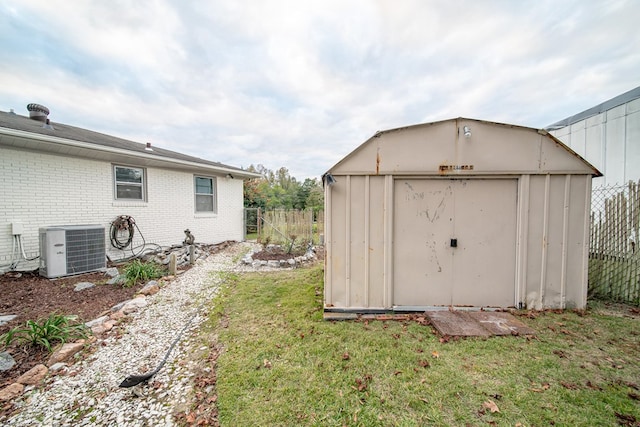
[315,199]
[279,190]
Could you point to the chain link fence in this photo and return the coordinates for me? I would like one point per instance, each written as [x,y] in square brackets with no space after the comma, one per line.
[614,259]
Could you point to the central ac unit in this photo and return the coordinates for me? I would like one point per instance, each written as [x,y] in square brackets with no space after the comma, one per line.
[71,249]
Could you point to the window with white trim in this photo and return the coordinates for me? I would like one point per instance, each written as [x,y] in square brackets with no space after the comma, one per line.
[205,193]
[129,183]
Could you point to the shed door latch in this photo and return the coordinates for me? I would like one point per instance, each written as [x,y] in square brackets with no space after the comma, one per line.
[454,243]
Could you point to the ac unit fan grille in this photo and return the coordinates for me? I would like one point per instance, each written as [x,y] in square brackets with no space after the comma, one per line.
[85,250]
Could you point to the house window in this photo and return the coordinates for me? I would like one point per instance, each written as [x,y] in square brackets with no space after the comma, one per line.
[129,183]
[205,194]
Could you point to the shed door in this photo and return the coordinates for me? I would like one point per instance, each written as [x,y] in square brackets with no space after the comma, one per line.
[454,242]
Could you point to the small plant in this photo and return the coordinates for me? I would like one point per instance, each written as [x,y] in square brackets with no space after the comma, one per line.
[139,271]
[55,329]
[265,241]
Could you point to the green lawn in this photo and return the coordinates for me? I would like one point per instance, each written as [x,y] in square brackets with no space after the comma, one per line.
[282,365]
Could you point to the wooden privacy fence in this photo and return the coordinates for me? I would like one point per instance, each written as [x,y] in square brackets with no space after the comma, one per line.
[614,259]
[282,226]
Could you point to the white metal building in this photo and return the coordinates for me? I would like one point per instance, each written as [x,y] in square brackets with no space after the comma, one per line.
[608,136]
[459,212]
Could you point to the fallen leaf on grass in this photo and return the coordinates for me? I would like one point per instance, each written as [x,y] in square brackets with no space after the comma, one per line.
[362,383]
[424,363]
[570,386]
[626,419]
[345,356]
[266,364]
[634,396]
[593,386]
[435,354]
[632,385]
[543,387]
[491,406]
[561,354]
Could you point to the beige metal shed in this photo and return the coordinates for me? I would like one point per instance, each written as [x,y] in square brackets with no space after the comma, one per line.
[459,212]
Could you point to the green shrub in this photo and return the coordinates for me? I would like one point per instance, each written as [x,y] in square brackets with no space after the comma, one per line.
[138,271]
[56,328]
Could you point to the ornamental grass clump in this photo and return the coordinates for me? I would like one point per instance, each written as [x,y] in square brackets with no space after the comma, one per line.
[138,271]
[46,333]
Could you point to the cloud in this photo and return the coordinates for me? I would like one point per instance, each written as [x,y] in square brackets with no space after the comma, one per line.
[301,84]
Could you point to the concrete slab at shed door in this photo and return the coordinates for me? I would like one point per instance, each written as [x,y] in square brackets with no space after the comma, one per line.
[454,242]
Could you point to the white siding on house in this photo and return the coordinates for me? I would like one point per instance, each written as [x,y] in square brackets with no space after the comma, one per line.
[44,190]
[610,141]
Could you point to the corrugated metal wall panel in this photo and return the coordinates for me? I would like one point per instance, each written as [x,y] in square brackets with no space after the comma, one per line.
[553,241]
[336,291]
[376,249]
[578,242]
[615,154]
[556,255]
[553,280]
[536,248]
[632,151]
[609,141]
[357,251]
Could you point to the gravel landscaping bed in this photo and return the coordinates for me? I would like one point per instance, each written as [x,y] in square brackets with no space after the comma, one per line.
[88,392]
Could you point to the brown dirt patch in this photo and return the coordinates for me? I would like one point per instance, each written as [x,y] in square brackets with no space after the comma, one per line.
[32,297]
[278,253]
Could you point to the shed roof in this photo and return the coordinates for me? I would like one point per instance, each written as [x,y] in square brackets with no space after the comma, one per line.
[441,148]
[24,133]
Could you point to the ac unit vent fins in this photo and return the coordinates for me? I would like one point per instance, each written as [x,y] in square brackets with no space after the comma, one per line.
[71,249]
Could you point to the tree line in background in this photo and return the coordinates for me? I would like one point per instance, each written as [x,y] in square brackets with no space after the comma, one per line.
[279,190]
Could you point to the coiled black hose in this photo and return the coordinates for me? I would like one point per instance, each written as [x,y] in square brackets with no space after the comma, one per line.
[126,224]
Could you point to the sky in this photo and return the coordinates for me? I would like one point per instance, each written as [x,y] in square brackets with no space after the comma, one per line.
[302,83]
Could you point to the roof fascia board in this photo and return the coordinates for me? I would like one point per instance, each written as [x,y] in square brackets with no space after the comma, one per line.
[119,151]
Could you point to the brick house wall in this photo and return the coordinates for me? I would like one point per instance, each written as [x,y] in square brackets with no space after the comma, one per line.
[42,190]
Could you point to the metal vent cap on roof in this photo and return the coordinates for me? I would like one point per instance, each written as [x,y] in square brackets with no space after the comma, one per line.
[38,112]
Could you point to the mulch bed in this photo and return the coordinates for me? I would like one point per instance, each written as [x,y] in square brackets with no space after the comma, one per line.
[32,297]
